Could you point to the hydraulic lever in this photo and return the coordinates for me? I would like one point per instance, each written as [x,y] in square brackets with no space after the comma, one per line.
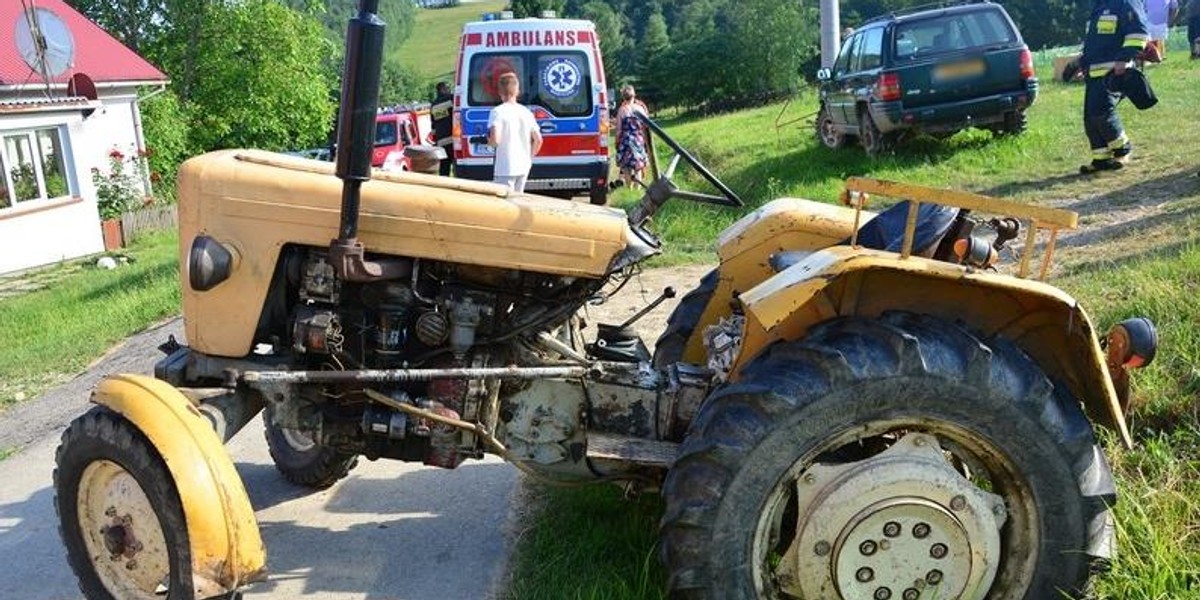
[667,293]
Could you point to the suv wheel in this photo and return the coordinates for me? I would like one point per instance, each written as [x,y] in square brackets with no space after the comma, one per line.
[827,131]
[1015,123]
[873,141]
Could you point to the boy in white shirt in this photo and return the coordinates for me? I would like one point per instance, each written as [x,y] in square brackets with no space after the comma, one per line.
[514,133]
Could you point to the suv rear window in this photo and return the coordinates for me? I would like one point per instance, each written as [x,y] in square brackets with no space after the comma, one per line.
[952,33]
[559,81]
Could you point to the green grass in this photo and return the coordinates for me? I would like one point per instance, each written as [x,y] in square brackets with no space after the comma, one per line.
[763,163]
[1137,254]
[1141,257]
[49,335]
[432,49]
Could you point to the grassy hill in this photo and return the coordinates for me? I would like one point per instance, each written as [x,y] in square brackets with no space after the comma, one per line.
[1137,252]
[432,49]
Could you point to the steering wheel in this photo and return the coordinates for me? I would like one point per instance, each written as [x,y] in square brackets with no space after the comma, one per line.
[662,188]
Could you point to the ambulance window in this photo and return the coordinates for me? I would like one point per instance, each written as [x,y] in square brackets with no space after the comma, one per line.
[385,133]
[486,69]
[564,84]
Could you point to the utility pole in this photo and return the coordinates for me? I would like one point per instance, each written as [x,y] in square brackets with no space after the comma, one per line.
[831,32]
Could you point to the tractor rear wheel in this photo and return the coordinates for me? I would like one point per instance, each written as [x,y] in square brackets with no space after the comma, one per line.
[301,460]
[880,458]
[682,322]
[120,516]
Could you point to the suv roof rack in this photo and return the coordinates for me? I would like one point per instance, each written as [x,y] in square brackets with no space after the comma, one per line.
[924,7]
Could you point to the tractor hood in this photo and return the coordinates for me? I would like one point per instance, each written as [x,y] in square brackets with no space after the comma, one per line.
[254,203]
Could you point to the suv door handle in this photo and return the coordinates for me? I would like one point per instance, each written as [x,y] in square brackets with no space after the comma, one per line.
[548,127]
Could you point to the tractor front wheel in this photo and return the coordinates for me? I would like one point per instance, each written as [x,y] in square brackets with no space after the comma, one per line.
[301,460]
[887,458]
[120,516]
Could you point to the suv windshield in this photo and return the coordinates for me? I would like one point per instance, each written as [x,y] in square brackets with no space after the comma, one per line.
[559,81]
[952,33]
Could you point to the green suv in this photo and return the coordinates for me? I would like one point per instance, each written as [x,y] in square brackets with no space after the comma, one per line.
[934,71]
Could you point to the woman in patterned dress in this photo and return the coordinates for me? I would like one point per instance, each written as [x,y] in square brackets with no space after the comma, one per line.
[631,137]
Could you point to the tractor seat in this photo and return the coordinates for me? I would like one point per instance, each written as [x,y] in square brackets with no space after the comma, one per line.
[886,232]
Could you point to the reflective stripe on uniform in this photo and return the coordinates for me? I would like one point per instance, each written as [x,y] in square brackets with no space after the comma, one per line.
[1136,40]
[1101,153]
[1100,69]
[1119,142]
[441,110]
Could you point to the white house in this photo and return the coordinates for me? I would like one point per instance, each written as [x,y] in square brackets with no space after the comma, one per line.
[53,134]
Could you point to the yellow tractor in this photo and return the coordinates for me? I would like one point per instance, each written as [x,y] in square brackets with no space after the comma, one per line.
[851,405]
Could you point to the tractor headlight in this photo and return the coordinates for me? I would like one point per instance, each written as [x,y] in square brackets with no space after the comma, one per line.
[209,263]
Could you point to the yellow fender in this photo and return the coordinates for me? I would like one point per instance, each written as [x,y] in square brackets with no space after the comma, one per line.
[227,550]
[843,281]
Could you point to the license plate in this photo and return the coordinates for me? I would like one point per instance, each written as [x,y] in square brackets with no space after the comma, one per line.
[959,70]
[481,150]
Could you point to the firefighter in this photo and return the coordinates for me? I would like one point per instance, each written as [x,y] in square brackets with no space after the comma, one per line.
[1116,32]
[441,115]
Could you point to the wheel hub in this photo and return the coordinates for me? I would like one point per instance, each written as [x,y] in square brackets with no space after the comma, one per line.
[900,525]
[121,532]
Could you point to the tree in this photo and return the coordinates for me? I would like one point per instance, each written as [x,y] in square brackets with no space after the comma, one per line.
[167,133]
[610,32]
[534,8]
[655,43]
[278,100]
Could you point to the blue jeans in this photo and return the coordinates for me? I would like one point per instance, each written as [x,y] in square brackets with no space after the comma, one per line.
[1100,120]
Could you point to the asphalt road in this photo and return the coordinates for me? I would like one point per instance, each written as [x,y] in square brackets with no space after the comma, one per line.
[391,530]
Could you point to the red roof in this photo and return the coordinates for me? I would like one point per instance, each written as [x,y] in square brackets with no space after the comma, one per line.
[97,53]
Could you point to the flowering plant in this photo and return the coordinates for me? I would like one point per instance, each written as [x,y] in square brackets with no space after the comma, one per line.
[120,189]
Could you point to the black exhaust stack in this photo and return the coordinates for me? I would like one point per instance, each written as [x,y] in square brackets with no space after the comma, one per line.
[356,140]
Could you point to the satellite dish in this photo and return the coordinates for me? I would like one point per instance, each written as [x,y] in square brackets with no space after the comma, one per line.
[82,86]
[45,42]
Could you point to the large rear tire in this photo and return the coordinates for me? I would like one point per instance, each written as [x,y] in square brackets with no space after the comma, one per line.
[120,516]
[682,322]
[780,488]
[301,460]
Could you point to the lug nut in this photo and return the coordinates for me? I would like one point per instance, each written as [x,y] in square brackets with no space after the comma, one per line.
[921,531]
[958,503]
[938,551]
[883,594]
[131,565]
[891,529]
[934,577]
[864,575]
[821,548]
[809,478]
[910,594]
[868,548]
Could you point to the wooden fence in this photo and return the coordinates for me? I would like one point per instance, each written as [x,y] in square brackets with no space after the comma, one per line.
[153,218]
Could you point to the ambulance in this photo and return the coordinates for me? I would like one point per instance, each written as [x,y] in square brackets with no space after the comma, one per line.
[562,80]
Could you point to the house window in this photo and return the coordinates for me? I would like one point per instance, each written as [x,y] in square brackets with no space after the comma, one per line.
[33,166]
